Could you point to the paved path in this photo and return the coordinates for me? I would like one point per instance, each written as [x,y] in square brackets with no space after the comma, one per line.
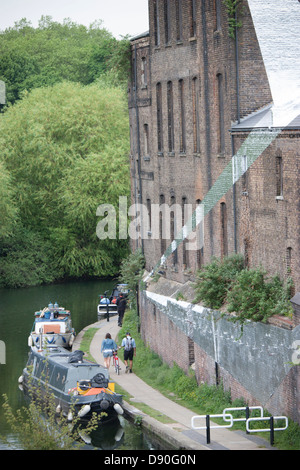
[221,439]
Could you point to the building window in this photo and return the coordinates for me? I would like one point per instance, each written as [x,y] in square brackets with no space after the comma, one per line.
[184,250]
[161,228]
[170,117]
[200,241]
[178,7]
[218,14]
[173,228]
[167,21]
[193,18]
[279,177]
[195,100]
[221,113]
[182,139]
[144,71]
[224,243]
[156,22]
[146,139]
[159,118]
[149,215]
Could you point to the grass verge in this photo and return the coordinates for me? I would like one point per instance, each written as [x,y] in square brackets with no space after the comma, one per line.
[183,388]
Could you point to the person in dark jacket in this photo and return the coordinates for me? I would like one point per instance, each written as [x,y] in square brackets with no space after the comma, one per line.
[121,305]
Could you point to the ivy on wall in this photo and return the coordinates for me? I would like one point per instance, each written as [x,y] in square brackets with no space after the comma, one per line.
[231,9]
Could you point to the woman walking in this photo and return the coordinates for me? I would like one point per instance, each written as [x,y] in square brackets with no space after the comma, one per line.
[107,347]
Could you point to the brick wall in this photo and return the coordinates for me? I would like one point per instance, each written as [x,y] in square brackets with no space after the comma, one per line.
[253,365]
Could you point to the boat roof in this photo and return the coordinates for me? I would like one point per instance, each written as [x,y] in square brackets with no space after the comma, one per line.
[60,356]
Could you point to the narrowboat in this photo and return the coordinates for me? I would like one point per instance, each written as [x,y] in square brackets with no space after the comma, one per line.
[108,303]
[55,324]
[79,386]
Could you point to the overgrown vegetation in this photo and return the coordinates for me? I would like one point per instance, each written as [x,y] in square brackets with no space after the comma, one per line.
[231,9]
[64,146]
[248,293]
[65,152]
[39,426]
[215,279]
[183,388]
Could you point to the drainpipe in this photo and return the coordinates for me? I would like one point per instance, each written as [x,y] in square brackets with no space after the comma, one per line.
[238,120]
[237,69]
[138,143]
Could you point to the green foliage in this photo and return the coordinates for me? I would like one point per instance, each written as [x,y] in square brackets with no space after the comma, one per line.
[249,293]
[214,280]
[65,149]
[131,272]
[255,297]
[54,52]
[27,259]
[231,9]
[38,426]
[8,209]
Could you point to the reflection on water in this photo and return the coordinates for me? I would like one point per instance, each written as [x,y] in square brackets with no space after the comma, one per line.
[17,307]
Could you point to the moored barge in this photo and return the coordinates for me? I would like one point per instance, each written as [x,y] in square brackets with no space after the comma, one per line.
[79,386]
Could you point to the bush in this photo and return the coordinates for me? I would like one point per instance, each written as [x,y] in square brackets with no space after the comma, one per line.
[214,280]
[255,297]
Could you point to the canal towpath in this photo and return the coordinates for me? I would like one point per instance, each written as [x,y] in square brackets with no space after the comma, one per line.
[179,432]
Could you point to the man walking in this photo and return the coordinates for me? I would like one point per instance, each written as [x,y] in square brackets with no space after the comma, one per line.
[121,305]
[128,343]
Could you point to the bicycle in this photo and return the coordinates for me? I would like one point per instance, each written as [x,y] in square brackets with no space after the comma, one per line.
[116,364]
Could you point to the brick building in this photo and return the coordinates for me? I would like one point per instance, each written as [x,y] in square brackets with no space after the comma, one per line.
[195,96]
[215,125]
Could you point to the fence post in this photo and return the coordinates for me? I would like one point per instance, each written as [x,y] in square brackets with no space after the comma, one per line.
[207,430]
[247,416]
[271,430]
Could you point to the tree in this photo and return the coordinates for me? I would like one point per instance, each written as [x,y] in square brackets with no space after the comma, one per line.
[8,210]
[55,52]
[66,148]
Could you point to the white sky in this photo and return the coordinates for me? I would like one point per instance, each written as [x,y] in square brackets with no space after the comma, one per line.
[120,17]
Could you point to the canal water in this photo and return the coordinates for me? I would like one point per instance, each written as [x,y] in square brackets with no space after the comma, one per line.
[17,307]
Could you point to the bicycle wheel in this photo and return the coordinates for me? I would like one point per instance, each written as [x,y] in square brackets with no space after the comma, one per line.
[117,367]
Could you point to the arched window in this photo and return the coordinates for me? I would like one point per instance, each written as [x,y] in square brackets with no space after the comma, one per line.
[161,227]
[146,139]
[144,71]
[182,136]
[170,117]
[218,12]
[279,177]
[195,103]
[167,21]
[193,23]
[173,228]
[178,20]
[156,22]
[159,118]
[221,113]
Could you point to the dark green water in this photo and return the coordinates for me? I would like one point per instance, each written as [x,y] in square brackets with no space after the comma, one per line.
[17,307]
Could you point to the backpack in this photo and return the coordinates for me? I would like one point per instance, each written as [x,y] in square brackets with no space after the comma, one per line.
[128,344]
